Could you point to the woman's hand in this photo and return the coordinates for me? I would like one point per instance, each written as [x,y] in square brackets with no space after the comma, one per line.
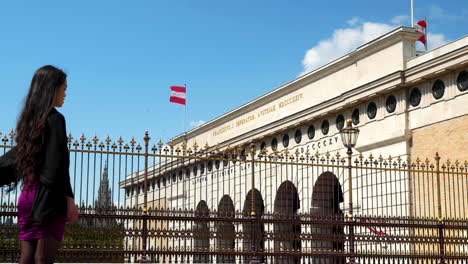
[72,211]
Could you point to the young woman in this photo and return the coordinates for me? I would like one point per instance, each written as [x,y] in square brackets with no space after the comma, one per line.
[41,162]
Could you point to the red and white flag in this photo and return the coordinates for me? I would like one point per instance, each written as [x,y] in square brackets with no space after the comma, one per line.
[421,26]
[178,95]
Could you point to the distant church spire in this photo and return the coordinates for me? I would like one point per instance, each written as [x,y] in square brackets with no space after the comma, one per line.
[105,176]
[104,193]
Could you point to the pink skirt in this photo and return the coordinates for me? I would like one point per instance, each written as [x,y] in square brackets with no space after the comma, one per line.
[30,230]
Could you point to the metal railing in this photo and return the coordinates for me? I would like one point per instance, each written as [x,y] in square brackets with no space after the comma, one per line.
[179,204]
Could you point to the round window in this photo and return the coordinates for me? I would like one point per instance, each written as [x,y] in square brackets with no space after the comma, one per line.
[243,156]
[372,110]
[298,136]
[263,146]
[225,161]
[438,89]
[195,170]
[217,163]
[202,168]
[340,122]
[462,81]
[180,175]
[274,144]
[311,132]
[390,104]
[286,140]
[210,165]
[187,173]
[325,127]
[355,116]
[415,97]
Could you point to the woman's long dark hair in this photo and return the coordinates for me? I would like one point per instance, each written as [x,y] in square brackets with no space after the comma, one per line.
[31,124]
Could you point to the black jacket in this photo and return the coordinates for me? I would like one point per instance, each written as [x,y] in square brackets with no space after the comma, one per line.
[50,200]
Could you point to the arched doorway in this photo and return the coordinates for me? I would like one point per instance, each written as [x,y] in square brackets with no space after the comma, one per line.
[326,198]
[253,231]
[287,235]
[201,233]
[225,232]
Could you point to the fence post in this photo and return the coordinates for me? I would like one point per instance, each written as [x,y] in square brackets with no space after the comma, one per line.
[351,220]
[253,213]
[439,213]
[145,202]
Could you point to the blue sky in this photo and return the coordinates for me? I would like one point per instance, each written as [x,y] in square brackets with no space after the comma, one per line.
[122,56]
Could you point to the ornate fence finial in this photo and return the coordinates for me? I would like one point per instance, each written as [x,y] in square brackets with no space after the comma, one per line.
[147,137]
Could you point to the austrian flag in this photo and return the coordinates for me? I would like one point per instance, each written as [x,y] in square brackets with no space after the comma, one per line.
[421,26]
[178,95]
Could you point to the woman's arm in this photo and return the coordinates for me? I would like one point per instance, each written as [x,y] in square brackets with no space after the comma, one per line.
[72,210]
[8,173]
[54,172]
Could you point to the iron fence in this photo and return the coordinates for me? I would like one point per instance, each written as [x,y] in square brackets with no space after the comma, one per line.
[177,204]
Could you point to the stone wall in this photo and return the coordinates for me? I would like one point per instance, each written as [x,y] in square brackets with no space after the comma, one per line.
[450,140]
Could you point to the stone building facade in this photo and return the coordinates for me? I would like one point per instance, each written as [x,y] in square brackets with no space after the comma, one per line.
[406,105]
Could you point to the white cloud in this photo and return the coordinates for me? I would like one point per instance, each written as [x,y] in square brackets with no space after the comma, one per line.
[401,20]
[345,40]
[342,41]
[197,123]
[353,21]
[435,40]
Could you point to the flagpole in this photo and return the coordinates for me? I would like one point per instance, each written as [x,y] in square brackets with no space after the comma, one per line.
[425,35]
[185,113]
[412,13]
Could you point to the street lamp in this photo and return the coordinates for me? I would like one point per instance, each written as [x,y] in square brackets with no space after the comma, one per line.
[349,137]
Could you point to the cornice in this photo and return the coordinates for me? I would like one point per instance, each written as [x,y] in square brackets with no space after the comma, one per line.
[393,81]
[437,66]
[365,50]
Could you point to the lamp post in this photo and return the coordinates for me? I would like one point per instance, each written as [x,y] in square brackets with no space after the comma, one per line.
[253,213]
[349,136]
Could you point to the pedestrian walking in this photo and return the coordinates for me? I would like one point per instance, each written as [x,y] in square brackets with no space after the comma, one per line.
[40,164]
